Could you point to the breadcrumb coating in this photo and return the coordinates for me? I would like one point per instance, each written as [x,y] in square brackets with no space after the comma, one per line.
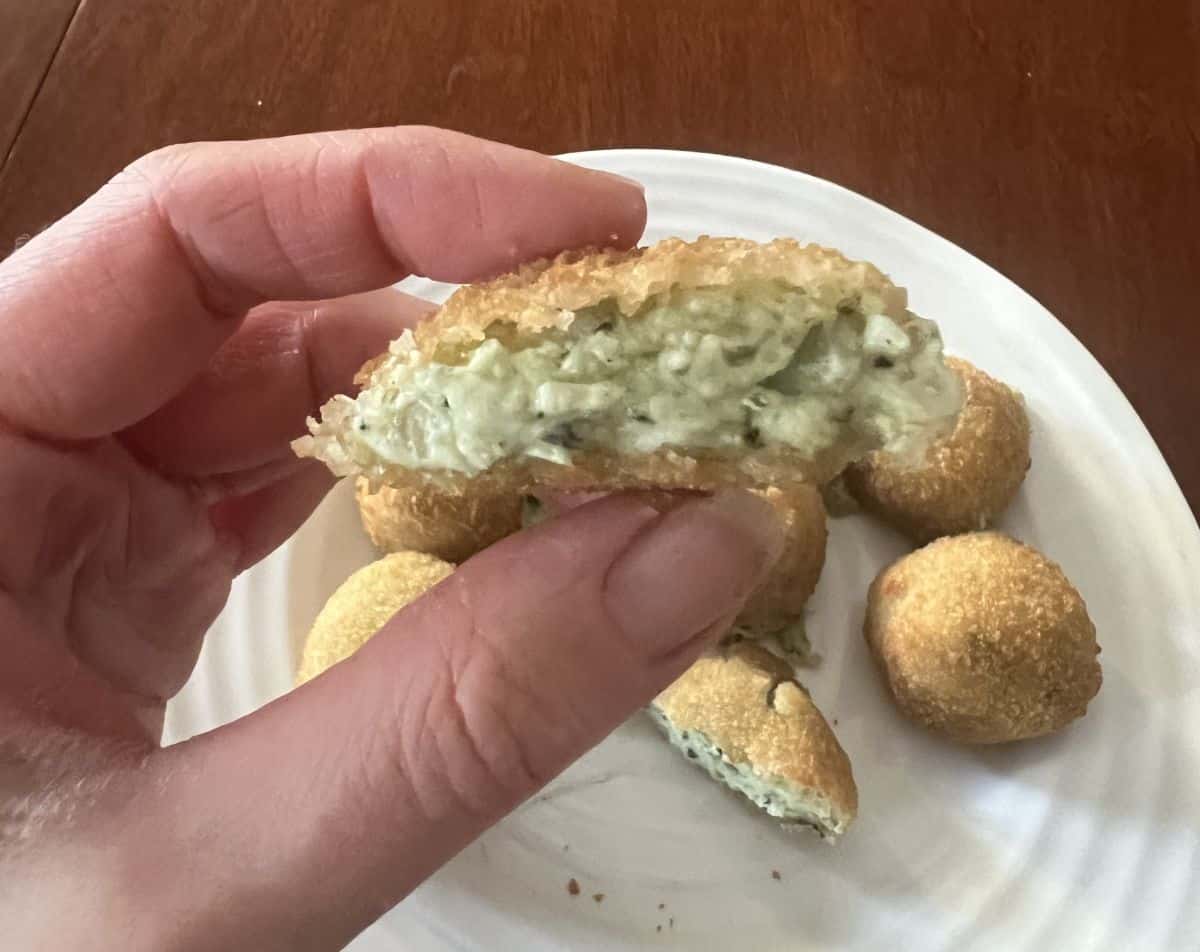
[544,295]
[363,604]
[966,479]
[451,524]
[792,581]
[745,701]
[983,639]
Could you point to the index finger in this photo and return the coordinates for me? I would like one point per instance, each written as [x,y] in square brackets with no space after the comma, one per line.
[115,308]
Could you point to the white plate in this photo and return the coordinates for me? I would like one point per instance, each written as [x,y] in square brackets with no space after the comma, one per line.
[1087,840]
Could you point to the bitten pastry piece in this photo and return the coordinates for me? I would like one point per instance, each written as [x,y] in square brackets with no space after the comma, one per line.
[777,609]
[451,524]
[363,604]
[966,479]
[684,365]
[741,716]
[981,638]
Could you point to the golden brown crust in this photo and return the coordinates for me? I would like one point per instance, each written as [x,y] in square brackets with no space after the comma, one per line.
[543,295]
[547,293]
[782,598]
[423,518]
[363,377]
[983,639]
[363,604]
[609,471]
[966,479]
[745,701]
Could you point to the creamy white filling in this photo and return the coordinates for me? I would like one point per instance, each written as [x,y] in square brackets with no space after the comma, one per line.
[700,369]
[775,795]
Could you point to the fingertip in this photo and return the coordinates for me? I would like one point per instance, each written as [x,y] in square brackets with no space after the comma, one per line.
[457,208]
[628,199]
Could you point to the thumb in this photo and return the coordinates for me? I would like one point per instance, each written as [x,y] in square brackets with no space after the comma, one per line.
[330,805]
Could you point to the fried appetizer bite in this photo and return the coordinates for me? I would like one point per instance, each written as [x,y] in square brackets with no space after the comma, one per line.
[739,715]
[363,604]
[777,609]
[453,525]
[966,479]
[684,365]
[982,639]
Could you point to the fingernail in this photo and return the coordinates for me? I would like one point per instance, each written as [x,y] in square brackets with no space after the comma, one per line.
[622,179]
[557,503]
[692,567]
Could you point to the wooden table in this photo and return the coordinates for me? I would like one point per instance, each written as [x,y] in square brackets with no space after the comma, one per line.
[1060,142]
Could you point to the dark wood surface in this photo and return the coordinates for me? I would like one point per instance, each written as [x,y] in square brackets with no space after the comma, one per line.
[30,32]
[1060,142]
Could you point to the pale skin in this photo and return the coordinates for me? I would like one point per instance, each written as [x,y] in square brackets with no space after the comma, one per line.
[159,348]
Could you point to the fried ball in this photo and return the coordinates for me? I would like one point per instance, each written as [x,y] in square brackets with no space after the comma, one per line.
[967,478]
[981,638]
[453,525]
[777,609]
[363,604]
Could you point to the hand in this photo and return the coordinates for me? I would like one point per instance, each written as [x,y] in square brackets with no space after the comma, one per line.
[151,377]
